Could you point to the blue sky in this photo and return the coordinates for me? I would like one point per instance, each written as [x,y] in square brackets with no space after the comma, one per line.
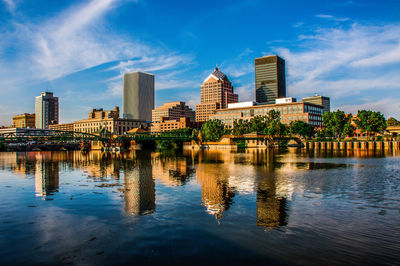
[347,50]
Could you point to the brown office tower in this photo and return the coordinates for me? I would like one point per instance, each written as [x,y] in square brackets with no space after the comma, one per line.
[270,79]
[216,93]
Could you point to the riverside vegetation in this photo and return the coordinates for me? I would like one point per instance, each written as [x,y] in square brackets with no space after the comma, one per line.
[337,125]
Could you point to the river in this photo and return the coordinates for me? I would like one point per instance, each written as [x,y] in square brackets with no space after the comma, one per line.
[200,207]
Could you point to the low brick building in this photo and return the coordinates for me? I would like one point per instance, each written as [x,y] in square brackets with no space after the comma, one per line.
[167,124]
[24,120]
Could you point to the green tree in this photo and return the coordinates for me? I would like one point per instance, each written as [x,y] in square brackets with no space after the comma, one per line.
[240,127]
[301,128]
[212,130]
[348,129]
[268,124]
[335,122]
[276,129]
[273,116]
[227,131]
[370,122]
[258,124]
[392,122]
[195,134]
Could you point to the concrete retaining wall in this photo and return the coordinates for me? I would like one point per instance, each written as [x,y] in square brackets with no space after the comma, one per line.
[354,145]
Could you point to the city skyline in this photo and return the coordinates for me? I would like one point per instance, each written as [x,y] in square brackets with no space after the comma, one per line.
[85,47]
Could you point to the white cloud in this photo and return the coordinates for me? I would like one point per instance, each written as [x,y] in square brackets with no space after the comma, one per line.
[115,88]
[236,70]
[245,52]
[164,83]
[77,39]
[330,17]
[386,57]
[345,62]
[74,40]
[151,63]
[389,107]
[11,5]
[298,24]
[330,50]
[193,99]
[324,16]
[245,92]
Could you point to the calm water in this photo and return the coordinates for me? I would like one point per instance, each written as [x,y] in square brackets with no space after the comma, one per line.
[207,207]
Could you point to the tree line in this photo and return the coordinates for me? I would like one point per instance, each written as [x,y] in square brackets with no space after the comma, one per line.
[269,125]
[339,125]
[336,125]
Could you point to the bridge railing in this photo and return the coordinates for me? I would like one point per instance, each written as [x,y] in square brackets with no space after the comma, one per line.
[47,135]
[151,136]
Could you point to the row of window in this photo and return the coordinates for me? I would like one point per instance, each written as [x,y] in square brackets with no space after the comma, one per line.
[313,120]
[313,109]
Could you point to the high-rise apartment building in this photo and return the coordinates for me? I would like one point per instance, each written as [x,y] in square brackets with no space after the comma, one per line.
[325,102]
[216,93]
[24,120]
[138,98]
[46,110]
[270,79]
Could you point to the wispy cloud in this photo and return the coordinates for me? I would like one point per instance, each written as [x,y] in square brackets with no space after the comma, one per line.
[246,92]
[246,52]
[11,5]
[330,17]
[385,57]
[75,40]
[151,62]
[343,62]
[298,24]
[388,106]
[238,70]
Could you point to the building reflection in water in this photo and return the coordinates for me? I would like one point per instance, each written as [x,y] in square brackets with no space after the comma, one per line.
[223,174]
[100,165]
[271,208]
[213,173]
[47,178]
[171,170]
[138,191]
[216,194]
[139,188]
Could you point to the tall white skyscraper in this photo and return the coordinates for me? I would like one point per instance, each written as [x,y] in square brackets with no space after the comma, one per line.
[46,110]
[138,99]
